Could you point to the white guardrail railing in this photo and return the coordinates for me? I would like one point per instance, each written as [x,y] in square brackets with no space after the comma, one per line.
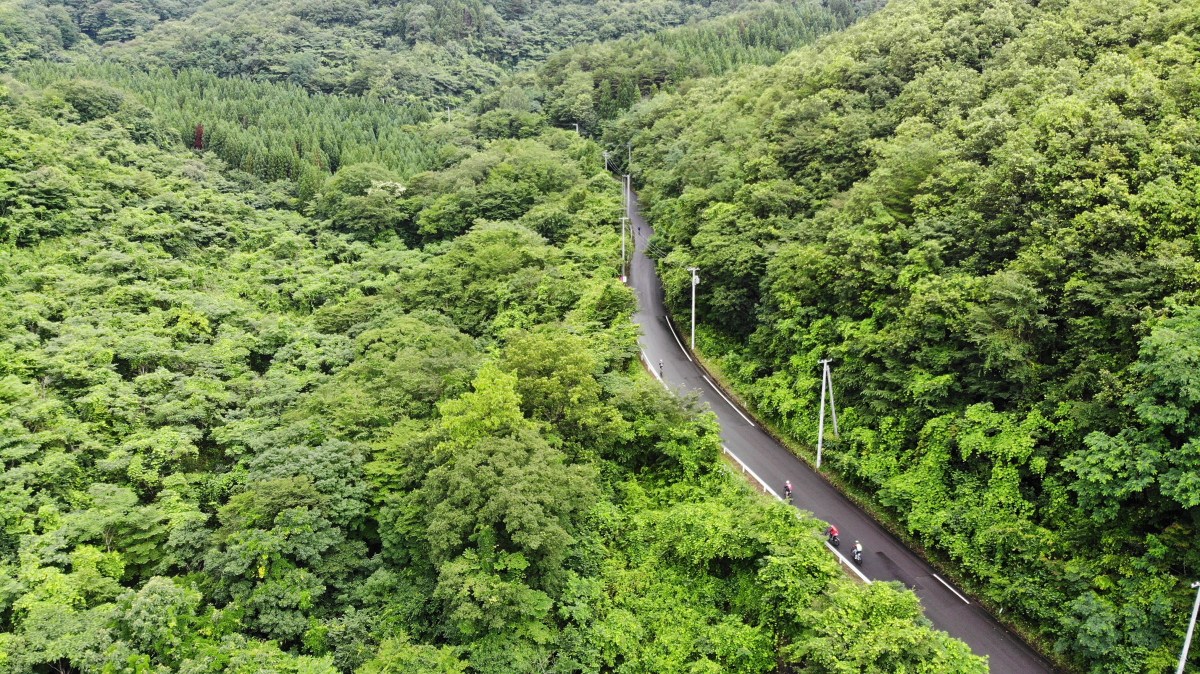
[653,371]
[767,488]
[747,471]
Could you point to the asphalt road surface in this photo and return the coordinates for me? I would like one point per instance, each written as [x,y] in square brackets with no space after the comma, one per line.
[884,557]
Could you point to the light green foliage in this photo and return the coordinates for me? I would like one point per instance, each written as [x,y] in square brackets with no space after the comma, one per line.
[274,131]
[399,655]
[441,50]
[1162,448]
[352,389]
[557,384]
[158,619]
[361,200]
[32,30]
[879,629]
[596,83]
[985,213]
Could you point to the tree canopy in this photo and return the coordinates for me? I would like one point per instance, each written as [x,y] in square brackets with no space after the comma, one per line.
[986,214]
[381,416]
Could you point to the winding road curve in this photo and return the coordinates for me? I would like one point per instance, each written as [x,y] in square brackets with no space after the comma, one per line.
[885,557]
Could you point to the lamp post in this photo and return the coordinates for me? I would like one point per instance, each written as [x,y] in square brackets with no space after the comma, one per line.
[695,282]
[1187,641]
[623,219]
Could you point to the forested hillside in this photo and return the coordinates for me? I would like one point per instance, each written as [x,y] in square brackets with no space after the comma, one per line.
[253,121]
[273,131]
[593,84]
[384,415]
[986,213]
[435,52]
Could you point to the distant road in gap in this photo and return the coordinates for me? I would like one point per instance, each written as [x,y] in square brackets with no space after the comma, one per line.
[884,557]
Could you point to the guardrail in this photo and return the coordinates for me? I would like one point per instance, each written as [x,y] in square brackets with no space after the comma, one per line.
[656,373]
[746,470]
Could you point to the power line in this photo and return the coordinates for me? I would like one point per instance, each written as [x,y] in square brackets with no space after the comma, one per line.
[651,246]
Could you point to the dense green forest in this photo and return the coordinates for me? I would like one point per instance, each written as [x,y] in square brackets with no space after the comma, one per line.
[305,382]
[252,123]
[276,132]
[432,52]
[334,385]
[241,439]
[987,213]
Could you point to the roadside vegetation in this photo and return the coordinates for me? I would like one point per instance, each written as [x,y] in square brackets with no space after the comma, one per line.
[284,395]
[986,214]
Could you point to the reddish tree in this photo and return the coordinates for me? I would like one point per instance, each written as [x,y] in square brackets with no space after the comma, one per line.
[199,142]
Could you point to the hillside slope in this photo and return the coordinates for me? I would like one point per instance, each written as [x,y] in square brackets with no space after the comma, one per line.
[986,212]
[434,51]
[401,429]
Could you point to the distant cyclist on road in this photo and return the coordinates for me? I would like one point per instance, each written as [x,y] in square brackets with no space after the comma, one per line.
[787,491]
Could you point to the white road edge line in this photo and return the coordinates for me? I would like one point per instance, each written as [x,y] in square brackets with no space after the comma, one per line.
[646,360]
[848,564]
[689,357]
[746,469]
[956,594]
[735,408]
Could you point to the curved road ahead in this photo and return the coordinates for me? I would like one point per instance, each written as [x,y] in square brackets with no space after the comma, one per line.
[884,557]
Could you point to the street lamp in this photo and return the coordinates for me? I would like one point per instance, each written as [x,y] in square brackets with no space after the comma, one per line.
[1187,641]
[695,282]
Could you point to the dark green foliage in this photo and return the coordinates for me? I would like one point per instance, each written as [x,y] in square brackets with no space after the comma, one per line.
[91,100]
[336,385]
[985,213]
[599,82]
[1158,449]
[438,50]
[240,439]
[273,131]
[108,21]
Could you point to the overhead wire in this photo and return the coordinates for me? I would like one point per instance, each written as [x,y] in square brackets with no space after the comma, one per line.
[653,249]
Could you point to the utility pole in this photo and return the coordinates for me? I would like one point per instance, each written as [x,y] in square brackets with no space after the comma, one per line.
[605,153]
[826,383]
[695,282]
[629,159]
[1187,641]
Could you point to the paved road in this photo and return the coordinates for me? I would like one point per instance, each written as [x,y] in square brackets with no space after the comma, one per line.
[884,558]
